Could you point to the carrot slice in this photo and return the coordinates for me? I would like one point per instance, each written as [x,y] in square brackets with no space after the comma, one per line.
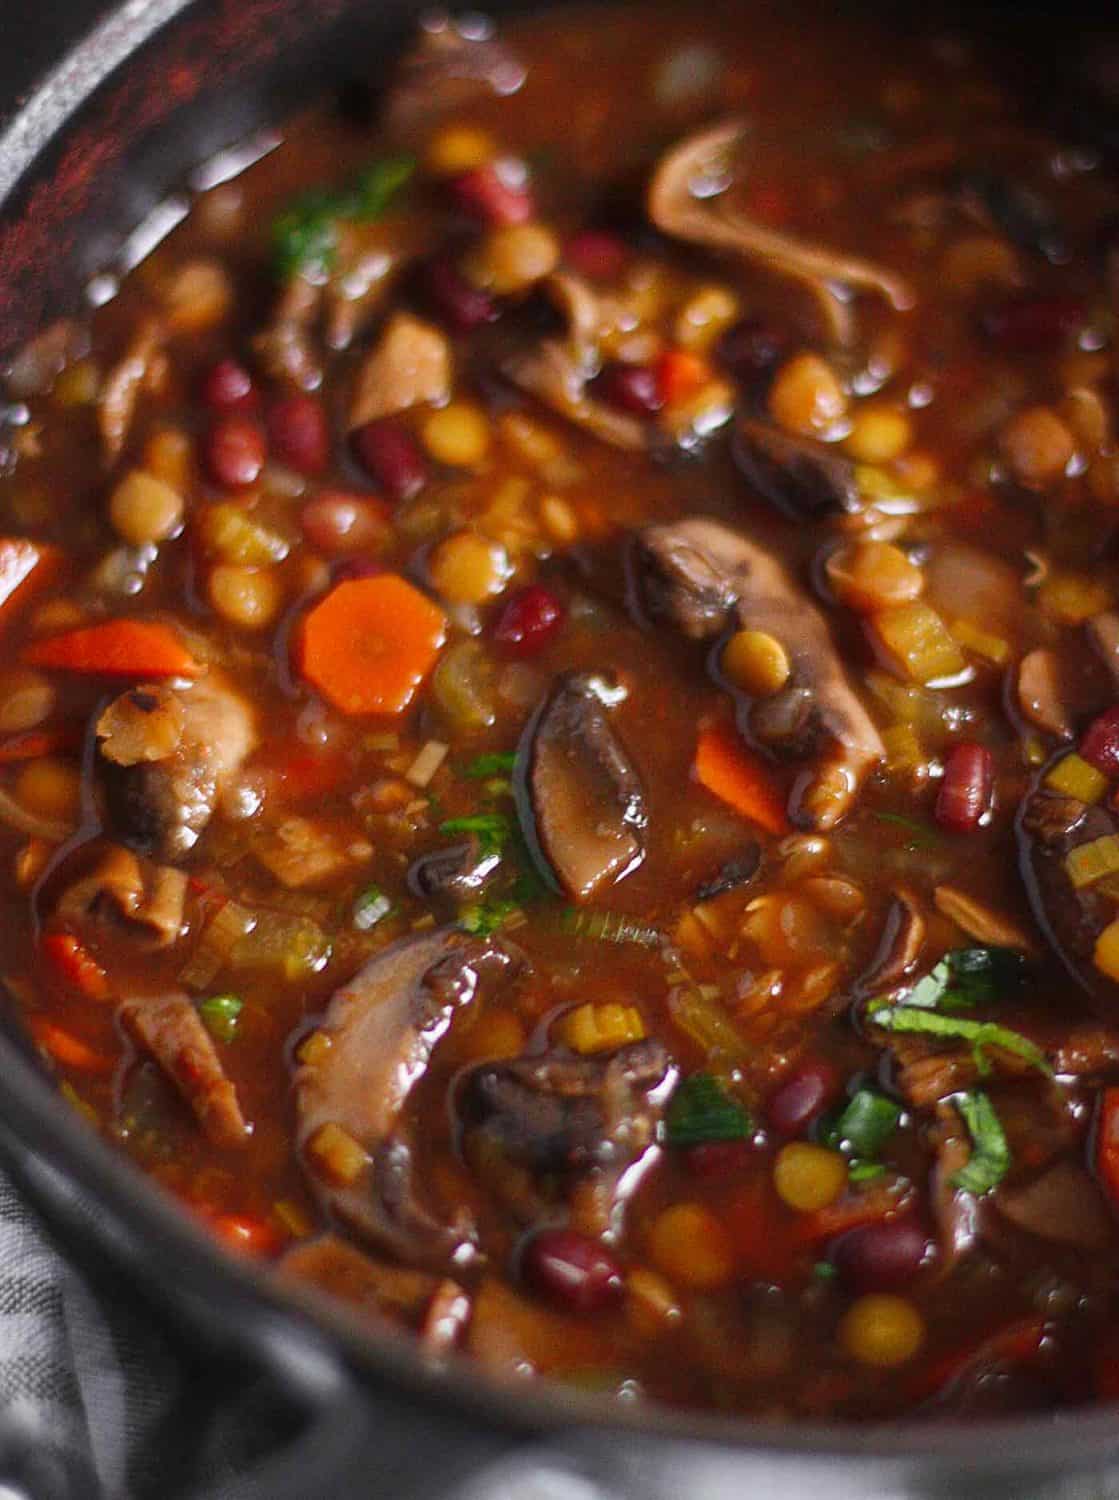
[25,568]
[728,769]
[370,643]
[680,374]
[75,965]
[68,1049]
[116,648]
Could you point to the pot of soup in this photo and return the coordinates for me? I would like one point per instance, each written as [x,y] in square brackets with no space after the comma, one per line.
[559,727]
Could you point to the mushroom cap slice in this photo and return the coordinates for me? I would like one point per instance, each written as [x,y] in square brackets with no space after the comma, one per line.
[804,479]
[578,795]
[378,1035]
[1049,826]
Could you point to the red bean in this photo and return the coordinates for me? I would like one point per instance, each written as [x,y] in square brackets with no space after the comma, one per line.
[719,1158]
[881,1257]
[496,194]
[1025,324]
[1100,745]
[631,388]
[803,1095]
[596,253]
[965,791]
[300,436]
[235,452]
[529,620]
[453,299]
[228,386]
[752,349]
[571,1271]
[336,522]
[391,457]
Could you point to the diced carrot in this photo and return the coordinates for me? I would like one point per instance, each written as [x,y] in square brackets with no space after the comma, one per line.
[851,1212]
[36,742]
[680,374]
[370,643]
[75,965]
[116,648]
[68,1049]
[247,1233]
[25,568]
[725,766]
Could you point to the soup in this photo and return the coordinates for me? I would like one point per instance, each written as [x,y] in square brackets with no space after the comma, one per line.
[559,726]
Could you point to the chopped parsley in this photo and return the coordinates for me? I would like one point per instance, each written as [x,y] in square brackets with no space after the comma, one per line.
[700,1113]
[305,234]
[990,1154]
[493,830]
[483,917]
[494,763]
[921,835]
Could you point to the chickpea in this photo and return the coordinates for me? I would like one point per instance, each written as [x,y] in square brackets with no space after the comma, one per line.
[879,434]
[1037,445]
[26,699]
[808,1177]
[756,663]
[690,1246]
[459,148]
[513,258]
[457,435]
[469,569]
[50,788]
[873,575]
[144,509]
[249,597]
[882,1330]
[806,397]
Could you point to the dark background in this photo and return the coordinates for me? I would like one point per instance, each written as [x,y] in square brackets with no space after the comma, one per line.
[33,34]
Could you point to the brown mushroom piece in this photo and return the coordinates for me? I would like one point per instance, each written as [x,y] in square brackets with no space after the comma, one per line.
[456,61]
[690,199]
[374,1044]
[537,1126]
[955,1212]
[903,937]
[459,872]
[410,365]
[148,899]
[1049,826]
[804,479]
[1039,693]
[557,371]
[161,796]
[702,577]
[285,348]
[578,795]
[170,1030]
[1064,1205]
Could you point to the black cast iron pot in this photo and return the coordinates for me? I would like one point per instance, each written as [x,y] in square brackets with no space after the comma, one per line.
[92,137]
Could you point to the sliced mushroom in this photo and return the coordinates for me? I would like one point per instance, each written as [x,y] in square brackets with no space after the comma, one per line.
[377,1038]
[1085,1051]
[121,388]
[409,366]
[685,202]
[460,872]
[37,365]
[903,937]
[454,62]
[144,724]
[557,371]
[979,921]
[149,897]
[539,1126]
[804,479]
[1039,693]
[170,1030]
[578,796]
[1064,1206]
[701,576]
[286,347]
[1049,826]
[736,873]
[163,804]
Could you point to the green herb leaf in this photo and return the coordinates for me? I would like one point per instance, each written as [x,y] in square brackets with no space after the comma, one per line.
[495,763]
[863,1126]
[922,836]
[990,1154]
[371,907]
[823,1270]
[493,830]
[700,1113]
[484,917]
[220,1015]
[967,977]
[305,234]
[865,1171]
[979,1034]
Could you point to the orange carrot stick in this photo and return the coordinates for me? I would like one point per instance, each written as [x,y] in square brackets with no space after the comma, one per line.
[68,1049]
[116,648]
[75,965]
[725,766]
[370,643]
